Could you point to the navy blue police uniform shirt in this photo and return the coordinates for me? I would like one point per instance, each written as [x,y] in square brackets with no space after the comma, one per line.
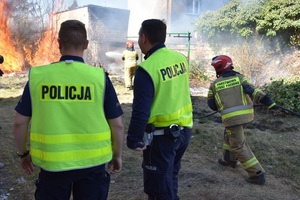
[141,106]
[112,107]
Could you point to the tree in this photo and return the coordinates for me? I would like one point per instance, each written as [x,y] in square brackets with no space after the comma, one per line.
[30,21]
[280,19]
[276,20]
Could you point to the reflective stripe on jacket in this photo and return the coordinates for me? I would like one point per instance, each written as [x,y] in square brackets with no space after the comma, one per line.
[170,75]
[68,128]
[234,105]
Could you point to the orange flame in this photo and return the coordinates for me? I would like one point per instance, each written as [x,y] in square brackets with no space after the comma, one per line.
[14,60]
[47,49]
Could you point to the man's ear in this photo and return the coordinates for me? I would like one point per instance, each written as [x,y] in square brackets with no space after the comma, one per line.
[86,44]
[59,44]
[144,38]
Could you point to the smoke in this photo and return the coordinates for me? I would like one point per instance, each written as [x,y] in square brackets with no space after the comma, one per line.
[176,14]
[115,64]
[213,5]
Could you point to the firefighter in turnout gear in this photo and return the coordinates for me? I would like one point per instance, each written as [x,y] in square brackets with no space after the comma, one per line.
[232,95]
[130,58]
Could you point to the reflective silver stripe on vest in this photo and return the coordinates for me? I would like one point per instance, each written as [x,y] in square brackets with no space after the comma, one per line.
[236,108]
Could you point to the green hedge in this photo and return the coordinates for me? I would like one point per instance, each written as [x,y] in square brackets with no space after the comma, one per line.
[285,92]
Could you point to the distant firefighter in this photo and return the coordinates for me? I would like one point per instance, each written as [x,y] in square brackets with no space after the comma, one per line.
[130,58]
[1,61]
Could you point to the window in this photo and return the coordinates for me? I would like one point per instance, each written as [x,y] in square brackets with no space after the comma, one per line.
[193,7]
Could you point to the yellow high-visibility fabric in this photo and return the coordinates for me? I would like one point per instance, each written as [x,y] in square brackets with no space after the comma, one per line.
[169,71]
[68,129]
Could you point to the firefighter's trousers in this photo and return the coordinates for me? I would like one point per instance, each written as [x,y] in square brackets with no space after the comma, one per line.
[129,72]
[235,143]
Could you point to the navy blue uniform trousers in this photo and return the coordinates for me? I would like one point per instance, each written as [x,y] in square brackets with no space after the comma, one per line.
[161,165]
[88,184]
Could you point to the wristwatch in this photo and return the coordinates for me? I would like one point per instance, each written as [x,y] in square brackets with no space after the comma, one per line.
[24,154]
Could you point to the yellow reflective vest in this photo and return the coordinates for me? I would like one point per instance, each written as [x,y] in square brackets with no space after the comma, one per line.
[234,105]
[170,75]
[68,125]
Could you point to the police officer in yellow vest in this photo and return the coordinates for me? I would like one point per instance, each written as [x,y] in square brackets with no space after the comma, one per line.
[76,127]
[231,94]
[130,58]
[161,120]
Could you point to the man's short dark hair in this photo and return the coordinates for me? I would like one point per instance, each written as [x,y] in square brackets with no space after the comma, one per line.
[155,30]
[72,33]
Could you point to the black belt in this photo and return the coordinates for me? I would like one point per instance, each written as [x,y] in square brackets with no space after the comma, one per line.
[162,131]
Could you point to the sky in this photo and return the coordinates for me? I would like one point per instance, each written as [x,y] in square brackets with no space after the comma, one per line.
[106,3]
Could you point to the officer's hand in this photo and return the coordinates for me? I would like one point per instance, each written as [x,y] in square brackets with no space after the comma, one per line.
[141,147]
[26,164]
[115,165]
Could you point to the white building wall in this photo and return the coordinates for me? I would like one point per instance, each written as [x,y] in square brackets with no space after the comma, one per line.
[80,14]
[141,10]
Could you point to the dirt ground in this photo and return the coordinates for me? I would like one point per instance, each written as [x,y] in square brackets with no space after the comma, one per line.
[274,137]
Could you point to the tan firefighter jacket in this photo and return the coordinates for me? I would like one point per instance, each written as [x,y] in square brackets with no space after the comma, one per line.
[234,105]
[130,58]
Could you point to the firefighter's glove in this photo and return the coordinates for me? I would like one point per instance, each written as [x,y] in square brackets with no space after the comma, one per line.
[268,102]
[272,106]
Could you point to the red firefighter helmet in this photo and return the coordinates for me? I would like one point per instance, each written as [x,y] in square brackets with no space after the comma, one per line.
[221,63]
[129,44]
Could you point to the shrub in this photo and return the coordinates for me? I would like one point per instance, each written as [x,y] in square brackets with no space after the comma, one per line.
[197,71]
[285,92]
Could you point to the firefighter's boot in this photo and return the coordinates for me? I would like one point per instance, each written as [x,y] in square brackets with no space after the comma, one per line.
[227,160]
[223,162]
[259,179]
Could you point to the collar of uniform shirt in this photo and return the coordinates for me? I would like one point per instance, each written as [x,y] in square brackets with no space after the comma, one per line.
[151,51]
[229,73]
[68,57]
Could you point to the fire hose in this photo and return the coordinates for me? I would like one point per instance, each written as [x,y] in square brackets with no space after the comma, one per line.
[281,108]
[293,113]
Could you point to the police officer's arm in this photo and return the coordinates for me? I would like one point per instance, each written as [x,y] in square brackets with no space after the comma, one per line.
[117,137]
[20,129]
[113,114]
[141,106]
